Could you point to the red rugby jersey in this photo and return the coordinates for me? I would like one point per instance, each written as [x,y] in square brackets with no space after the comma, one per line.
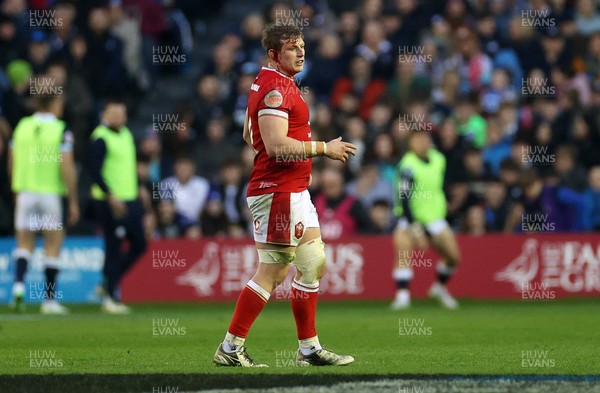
[274,93]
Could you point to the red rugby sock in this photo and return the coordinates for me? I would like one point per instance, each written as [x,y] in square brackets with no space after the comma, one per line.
[304,308]
[250,303]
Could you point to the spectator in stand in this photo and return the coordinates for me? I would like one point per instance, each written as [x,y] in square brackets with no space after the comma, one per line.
[214,219]
[356,134]
[322,123]
[179,137]
[127,28]
[252,27]
[105,51]
[475,173]
[572,88]
[591,58]
[369,186]
[153,25]
[340,214]
[405,87]
[326,65]
[166,218]
[349,30]
[471,125]
[570,174]
[457,14]
[413,17]
[358,82]
[223,68]
[500,90]
[544,207]
[474,222]
[444,96]
[380,215]
[555,52]
[380,120]
[489,36]
[232,191]
[38,51]
[377,50]
[384,155]
[78,61]
[151,147]
[585,140]
[497,147]
[495,206]
[248,72]
[218,149]
[65,13]
[475,66]
[543,138]
[190,193]
[451,145]
[591,205]
[18,12]
[510,173]
[371,9]
[207,104]
[587,17]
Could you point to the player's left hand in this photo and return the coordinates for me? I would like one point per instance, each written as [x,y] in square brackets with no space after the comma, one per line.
[339,150]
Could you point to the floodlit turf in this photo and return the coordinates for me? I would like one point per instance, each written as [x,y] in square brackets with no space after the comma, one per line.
[558,337]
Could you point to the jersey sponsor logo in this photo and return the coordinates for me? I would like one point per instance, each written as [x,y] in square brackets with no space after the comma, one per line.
[267,184]
[273,99]
[254,87]
[299,230]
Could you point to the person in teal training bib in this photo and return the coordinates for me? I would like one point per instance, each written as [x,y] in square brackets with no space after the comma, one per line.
[42,171]
[420,205]
[115,198]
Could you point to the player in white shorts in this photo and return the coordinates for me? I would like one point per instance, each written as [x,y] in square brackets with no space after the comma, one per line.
[286,227]
[42,171]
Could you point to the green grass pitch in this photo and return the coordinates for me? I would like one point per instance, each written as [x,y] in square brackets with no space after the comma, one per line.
[158,343]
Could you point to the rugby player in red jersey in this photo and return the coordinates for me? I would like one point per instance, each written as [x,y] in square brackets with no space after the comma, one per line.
[286,226]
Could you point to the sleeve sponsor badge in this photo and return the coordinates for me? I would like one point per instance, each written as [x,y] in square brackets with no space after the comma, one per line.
[273,99]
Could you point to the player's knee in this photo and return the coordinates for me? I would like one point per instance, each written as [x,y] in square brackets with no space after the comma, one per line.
[276,257]
[310,261]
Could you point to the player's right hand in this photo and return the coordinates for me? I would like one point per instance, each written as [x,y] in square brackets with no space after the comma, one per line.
[117,206]
[73,213]
[339,150]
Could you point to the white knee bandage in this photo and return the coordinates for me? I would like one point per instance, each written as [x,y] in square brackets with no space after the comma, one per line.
[310,258]
[276,256]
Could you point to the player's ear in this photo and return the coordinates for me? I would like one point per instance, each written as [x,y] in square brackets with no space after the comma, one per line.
[274,55]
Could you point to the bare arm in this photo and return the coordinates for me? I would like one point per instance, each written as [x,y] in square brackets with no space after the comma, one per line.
[69,175]
[246,133]
[274,129]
